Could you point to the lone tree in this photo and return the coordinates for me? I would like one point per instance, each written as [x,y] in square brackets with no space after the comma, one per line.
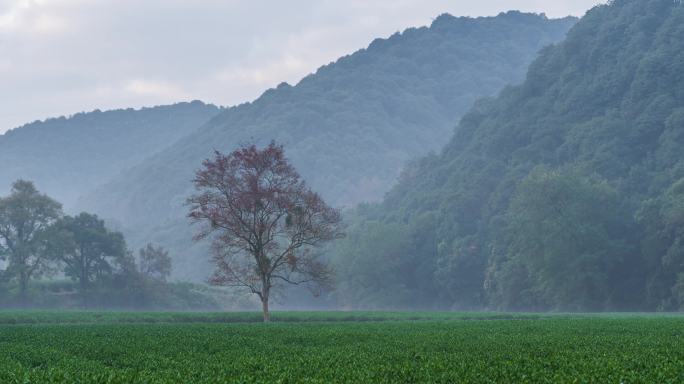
[263,221]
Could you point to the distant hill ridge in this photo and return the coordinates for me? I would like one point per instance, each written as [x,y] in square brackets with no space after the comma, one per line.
[70,156]
[350,127]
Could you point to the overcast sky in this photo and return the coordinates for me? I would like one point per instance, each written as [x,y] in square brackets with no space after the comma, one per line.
[59,57]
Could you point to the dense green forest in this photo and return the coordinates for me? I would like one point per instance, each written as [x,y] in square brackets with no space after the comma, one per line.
[349,128]
[69,156]
[563,193]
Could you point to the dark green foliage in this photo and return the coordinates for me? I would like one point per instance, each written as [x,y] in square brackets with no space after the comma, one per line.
[25,217]
[663,247]
[67,157]
[349,128]
[598,226]
[88,250]
[559,350]
[566,237]
[378,274]
[36,241]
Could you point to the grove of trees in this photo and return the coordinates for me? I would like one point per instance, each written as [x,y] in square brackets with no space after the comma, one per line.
[42,250]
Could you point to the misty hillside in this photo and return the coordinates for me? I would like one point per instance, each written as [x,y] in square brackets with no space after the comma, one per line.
[69,156]
[350,127]
[566,192]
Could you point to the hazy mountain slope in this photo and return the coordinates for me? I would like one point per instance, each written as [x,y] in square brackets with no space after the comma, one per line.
[67,157]
[589,147]
[351,126]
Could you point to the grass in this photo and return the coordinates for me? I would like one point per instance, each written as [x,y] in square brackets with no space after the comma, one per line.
[350,347]
[112,317]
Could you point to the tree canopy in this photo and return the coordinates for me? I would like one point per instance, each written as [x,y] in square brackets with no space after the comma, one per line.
[562,192]
[87,248]
[263,221]
[25,217]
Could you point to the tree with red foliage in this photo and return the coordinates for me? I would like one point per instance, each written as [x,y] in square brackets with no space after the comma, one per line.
[264,222]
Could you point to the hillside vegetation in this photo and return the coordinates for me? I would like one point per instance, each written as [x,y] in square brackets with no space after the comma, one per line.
[349,128]
[565,192]
[69,156]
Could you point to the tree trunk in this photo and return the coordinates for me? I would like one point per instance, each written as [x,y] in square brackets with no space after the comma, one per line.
[264,304]
[83,285]
[83,273]
[265,291]
[83,282]
[23,285]
[84,293]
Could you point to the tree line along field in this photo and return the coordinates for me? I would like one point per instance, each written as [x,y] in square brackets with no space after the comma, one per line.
[50,347]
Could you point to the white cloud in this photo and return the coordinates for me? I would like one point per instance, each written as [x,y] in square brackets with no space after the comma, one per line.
[49,24]
[5,65]
[58,57]
[11,14]
[31,17]
[155,89]
[265,75]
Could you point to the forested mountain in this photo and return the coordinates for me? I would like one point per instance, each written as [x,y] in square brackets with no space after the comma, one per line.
[565,192]
[348,128]
[69,156]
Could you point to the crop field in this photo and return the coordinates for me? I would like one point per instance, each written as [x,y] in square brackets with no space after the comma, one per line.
[349,347]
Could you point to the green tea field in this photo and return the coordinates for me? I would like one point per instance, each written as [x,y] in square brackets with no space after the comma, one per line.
[339,347]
